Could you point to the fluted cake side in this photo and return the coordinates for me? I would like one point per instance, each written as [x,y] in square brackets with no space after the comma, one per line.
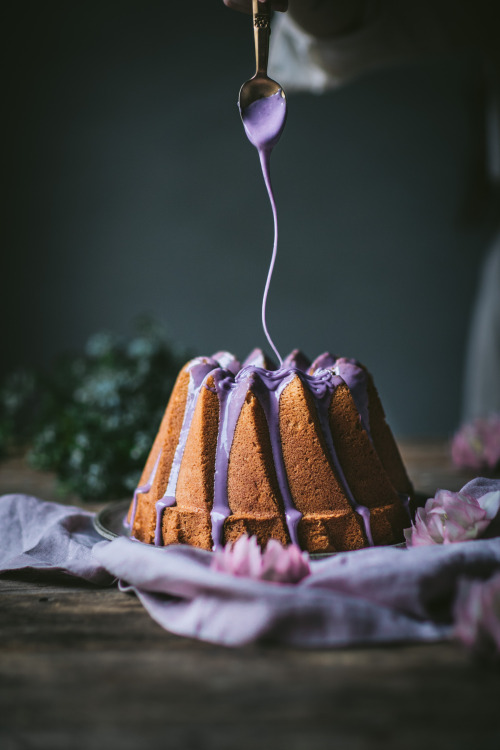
[301,454]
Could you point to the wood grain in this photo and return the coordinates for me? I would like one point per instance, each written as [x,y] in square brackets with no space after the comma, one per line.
[86,668]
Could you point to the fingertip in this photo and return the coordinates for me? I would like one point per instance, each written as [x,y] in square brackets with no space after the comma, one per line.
[239,5]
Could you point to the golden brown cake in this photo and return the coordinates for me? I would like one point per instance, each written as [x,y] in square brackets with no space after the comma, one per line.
[301,454]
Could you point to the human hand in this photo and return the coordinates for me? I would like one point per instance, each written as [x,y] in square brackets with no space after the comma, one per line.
[321,19]
[245,6]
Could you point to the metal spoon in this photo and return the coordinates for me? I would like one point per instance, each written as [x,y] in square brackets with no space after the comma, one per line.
[260,85]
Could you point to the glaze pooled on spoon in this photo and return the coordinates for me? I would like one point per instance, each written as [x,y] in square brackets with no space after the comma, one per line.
[264,120]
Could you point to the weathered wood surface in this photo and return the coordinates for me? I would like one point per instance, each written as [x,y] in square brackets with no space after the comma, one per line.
[86,668]
[429,465]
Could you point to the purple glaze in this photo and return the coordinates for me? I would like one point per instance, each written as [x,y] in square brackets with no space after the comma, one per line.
[264,160]
[232,394]
[199,369]
[268,385]
[406,502]
[325,361]
[264,120]
[322,402]
[142,490]
[227,360]
[297,359]
[356,379]
[259,359]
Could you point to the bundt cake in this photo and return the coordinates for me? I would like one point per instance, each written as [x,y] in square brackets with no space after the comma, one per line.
[301,454]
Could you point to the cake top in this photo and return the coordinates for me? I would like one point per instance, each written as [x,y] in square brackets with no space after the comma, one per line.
[318,374]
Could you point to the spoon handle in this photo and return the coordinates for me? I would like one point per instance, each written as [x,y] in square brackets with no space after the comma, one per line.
[261,29]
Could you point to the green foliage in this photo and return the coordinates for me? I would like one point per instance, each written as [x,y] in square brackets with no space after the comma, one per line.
[95,415]
[17,403]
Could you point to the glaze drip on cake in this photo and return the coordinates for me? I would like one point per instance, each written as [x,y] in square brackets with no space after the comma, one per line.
[268,385]
[254,425]
[198,372]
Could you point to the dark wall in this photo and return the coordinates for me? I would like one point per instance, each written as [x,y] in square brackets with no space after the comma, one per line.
[131,188]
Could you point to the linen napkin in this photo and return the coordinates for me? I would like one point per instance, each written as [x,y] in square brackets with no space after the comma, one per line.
[48,540]
[375,595]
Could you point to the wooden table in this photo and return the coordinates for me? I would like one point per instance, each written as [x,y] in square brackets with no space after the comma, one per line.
[87,668]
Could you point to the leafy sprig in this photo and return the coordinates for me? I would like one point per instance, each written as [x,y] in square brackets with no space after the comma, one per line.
[93,418]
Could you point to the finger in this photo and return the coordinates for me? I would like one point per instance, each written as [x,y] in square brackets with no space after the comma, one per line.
[245,6]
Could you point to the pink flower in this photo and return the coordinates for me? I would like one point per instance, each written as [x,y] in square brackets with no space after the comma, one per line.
[476,445]
[276,564]
[452,517]
[477,614]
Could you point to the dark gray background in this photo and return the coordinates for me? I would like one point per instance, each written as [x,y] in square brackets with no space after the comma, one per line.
[131,188]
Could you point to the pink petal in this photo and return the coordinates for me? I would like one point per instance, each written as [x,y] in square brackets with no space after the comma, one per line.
[490,503]
[455,532]
[477,444]
[435,527]
[477,613]
[419,535]
[277,564]
[452,517]
[467,516]
[468,613]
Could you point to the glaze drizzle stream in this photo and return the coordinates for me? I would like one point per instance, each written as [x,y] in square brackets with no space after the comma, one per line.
[264,121]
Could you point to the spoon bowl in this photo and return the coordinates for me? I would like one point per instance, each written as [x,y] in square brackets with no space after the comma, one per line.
[258,87]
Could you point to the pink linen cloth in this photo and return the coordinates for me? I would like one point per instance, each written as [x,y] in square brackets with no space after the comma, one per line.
[376,595]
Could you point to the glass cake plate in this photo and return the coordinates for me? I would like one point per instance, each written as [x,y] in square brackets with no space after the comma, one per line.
[109,522]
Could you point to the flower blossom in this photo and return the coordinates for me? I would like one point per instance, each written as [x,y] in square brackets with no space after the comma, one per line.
[476,445]
[276,564]
[452,517]
[477,614]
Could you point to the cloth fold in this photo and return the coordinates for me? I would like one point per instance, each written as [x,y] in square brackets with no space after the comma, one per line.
[371,596]
[49,538]
[185,596]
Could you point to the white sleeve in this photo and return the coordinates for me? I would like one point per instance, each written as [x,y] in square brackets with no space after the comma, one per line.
[482,371]
[392,32]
